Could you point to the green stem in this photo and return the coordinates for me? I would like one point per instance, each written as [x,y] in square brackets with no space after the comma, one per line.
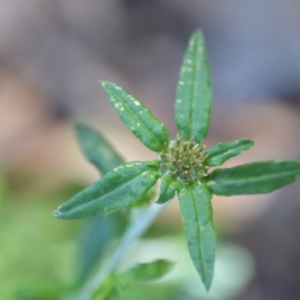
[138,226]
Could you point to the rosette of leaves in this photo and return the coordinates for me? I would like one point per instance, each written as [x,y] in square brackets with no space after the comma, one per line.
[183,165]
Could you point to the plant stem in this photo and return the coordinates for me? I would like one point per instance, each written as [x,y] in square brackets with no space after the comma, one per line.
[138,226]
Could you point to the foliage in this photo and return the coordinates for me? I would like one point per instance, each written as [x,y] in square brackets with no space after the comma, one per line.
[183,164]
[143,272]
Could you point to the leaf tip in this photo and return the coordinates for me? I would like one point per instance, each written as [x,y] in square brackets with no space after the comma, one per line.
[198,32]
[103,83]
[207,280]
[57,213]
[197,35]
[79,127]
[251,143]
[107,84]
[207,283]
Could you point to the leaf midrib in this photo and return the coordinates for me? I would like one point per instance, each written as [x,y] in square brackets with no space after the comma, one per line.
[136,117]
[126,183]
[258,178]
[200,252]
[227,151]
[193,88]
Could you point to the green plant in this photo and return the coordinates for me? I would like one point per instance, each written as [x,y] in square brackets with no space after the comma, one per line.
[182,166]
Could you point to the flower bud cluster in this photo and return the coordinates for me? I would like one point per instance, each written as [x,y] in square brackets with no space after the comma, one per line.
[184,160]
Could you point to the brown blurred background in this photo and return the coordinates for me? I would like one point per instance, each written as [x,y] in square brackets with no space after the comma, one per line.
[53,52]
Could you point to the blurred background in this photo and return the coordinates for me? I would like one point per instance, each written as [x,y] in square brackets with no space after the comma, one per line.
[52,54]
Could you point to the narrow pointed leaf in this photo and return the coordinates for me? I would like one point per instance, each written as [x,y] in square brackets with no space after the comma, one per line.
[138,119]
[93,245]
[120,187]
[194,93]
[221,152]
[196,212]
[168,188]
[97,150]
[253,178]
[145,272]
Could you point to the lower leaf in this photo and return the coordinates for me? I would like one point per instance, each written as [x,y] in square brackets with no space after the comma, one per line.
[145,272]
[97,150]
[117,189]
[196,212]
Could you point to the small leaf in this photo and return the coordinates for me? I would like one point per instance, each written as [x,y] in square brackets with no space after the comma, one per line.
[147,271]
[97,150]
[194,94]
[253,178]
[92,245]
[168,188]
[106,290]
[138,119]
[119,188]
[221,152]
[196,212]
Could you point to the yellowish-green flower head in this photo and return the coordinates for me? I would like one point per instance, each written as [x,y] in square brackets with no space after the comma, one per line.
[184,160]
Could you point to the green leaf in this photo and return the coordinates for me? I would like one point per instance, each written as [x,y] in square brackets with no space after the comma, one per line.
[168,188]
[147,271]
[106,290]
[253,178]
[97,150]
[196,212]
[117,189]
[138,119]
[221,152]
[94,241]
[92,245]
[194,94]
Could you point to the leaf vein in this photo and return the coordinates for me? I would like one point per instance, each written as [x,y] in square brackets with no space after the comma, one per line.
[198,229]
[134,116]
